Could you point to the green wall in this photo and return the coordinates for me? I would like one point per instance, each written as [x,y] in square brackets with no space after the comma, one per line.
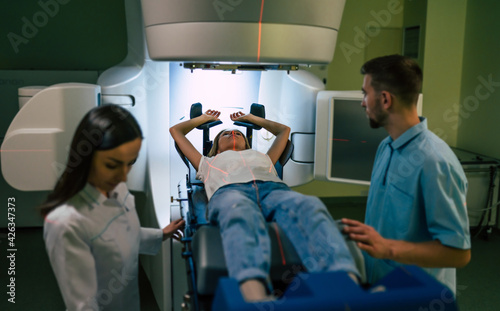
[459,44]
[47,42]
[462,74]
[62,34]
[461,71]
[369,28]
[359,40]
[479,128]
[415,14]
[444,44]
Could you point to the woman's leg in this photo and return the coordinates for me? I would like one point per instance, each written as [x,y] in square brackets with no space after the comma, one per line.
[244,235]
[307,223]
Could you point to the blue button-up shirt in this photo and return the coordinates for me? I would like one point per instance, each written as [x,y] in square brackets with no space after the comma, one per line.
[417,193]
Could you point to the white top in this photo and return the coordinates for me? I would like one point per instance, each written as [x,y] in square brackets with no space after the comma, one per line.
[232,167]
[93,245]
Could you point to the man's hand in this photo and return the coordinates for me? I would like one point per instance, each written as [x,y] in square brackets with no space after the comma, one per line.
[367,239]
[428,254]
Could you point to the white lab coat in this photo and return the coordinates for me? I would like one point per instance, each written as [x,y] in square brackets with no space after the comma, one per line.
[93,243]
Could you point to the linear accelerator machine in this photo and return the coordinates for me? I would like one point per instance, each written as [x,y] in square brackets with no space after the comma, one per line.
[171,44]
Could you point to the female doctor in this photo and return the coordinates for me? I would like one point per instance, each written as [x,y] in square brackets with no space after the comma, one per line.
[91,230]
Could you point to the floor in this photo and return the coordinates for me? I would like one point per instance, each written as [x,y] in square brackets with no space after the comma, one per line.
[36,288]
[479,282]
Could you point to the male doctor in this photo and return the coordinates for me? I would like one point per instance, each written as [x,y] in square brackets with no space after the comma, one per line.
[416,210]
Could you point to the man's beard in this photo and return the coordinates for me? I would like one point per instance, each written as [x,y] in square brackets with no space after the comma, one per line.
[374,124]
[381,118]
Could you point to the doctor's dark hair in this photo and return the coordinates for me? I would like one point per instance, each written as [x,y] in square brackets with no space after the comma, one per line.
[215,146]
[102,128]
[397,74]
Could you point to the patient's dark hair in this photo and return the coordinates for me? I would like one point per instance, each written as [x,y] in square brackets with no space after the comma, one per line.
[215,146]
[397,74]
[102,128]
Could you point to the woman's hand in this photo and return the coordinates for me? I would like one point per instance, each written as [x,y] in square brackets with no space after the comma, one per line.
[213,115]
[279,130]
[240,116]
[180,130]
[174,230]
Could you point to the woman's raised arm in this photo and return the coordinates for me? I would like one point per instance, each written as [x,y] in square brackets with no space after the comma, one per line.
[180,130]
[279,130]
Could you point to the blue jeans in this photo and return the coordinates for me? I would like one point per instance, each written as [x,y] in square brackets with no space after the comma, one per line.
[241,210]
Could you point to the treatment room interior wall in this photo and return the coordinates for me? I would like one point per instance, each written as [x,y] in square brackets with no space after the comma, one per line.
[49,42]
[80,38]
[444,44]
[461,72]
[357,40]
[62,35]
[479,129]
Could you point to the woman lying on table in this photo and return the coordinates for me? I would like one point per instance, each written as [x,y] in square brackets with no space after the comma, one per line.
[244,192]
